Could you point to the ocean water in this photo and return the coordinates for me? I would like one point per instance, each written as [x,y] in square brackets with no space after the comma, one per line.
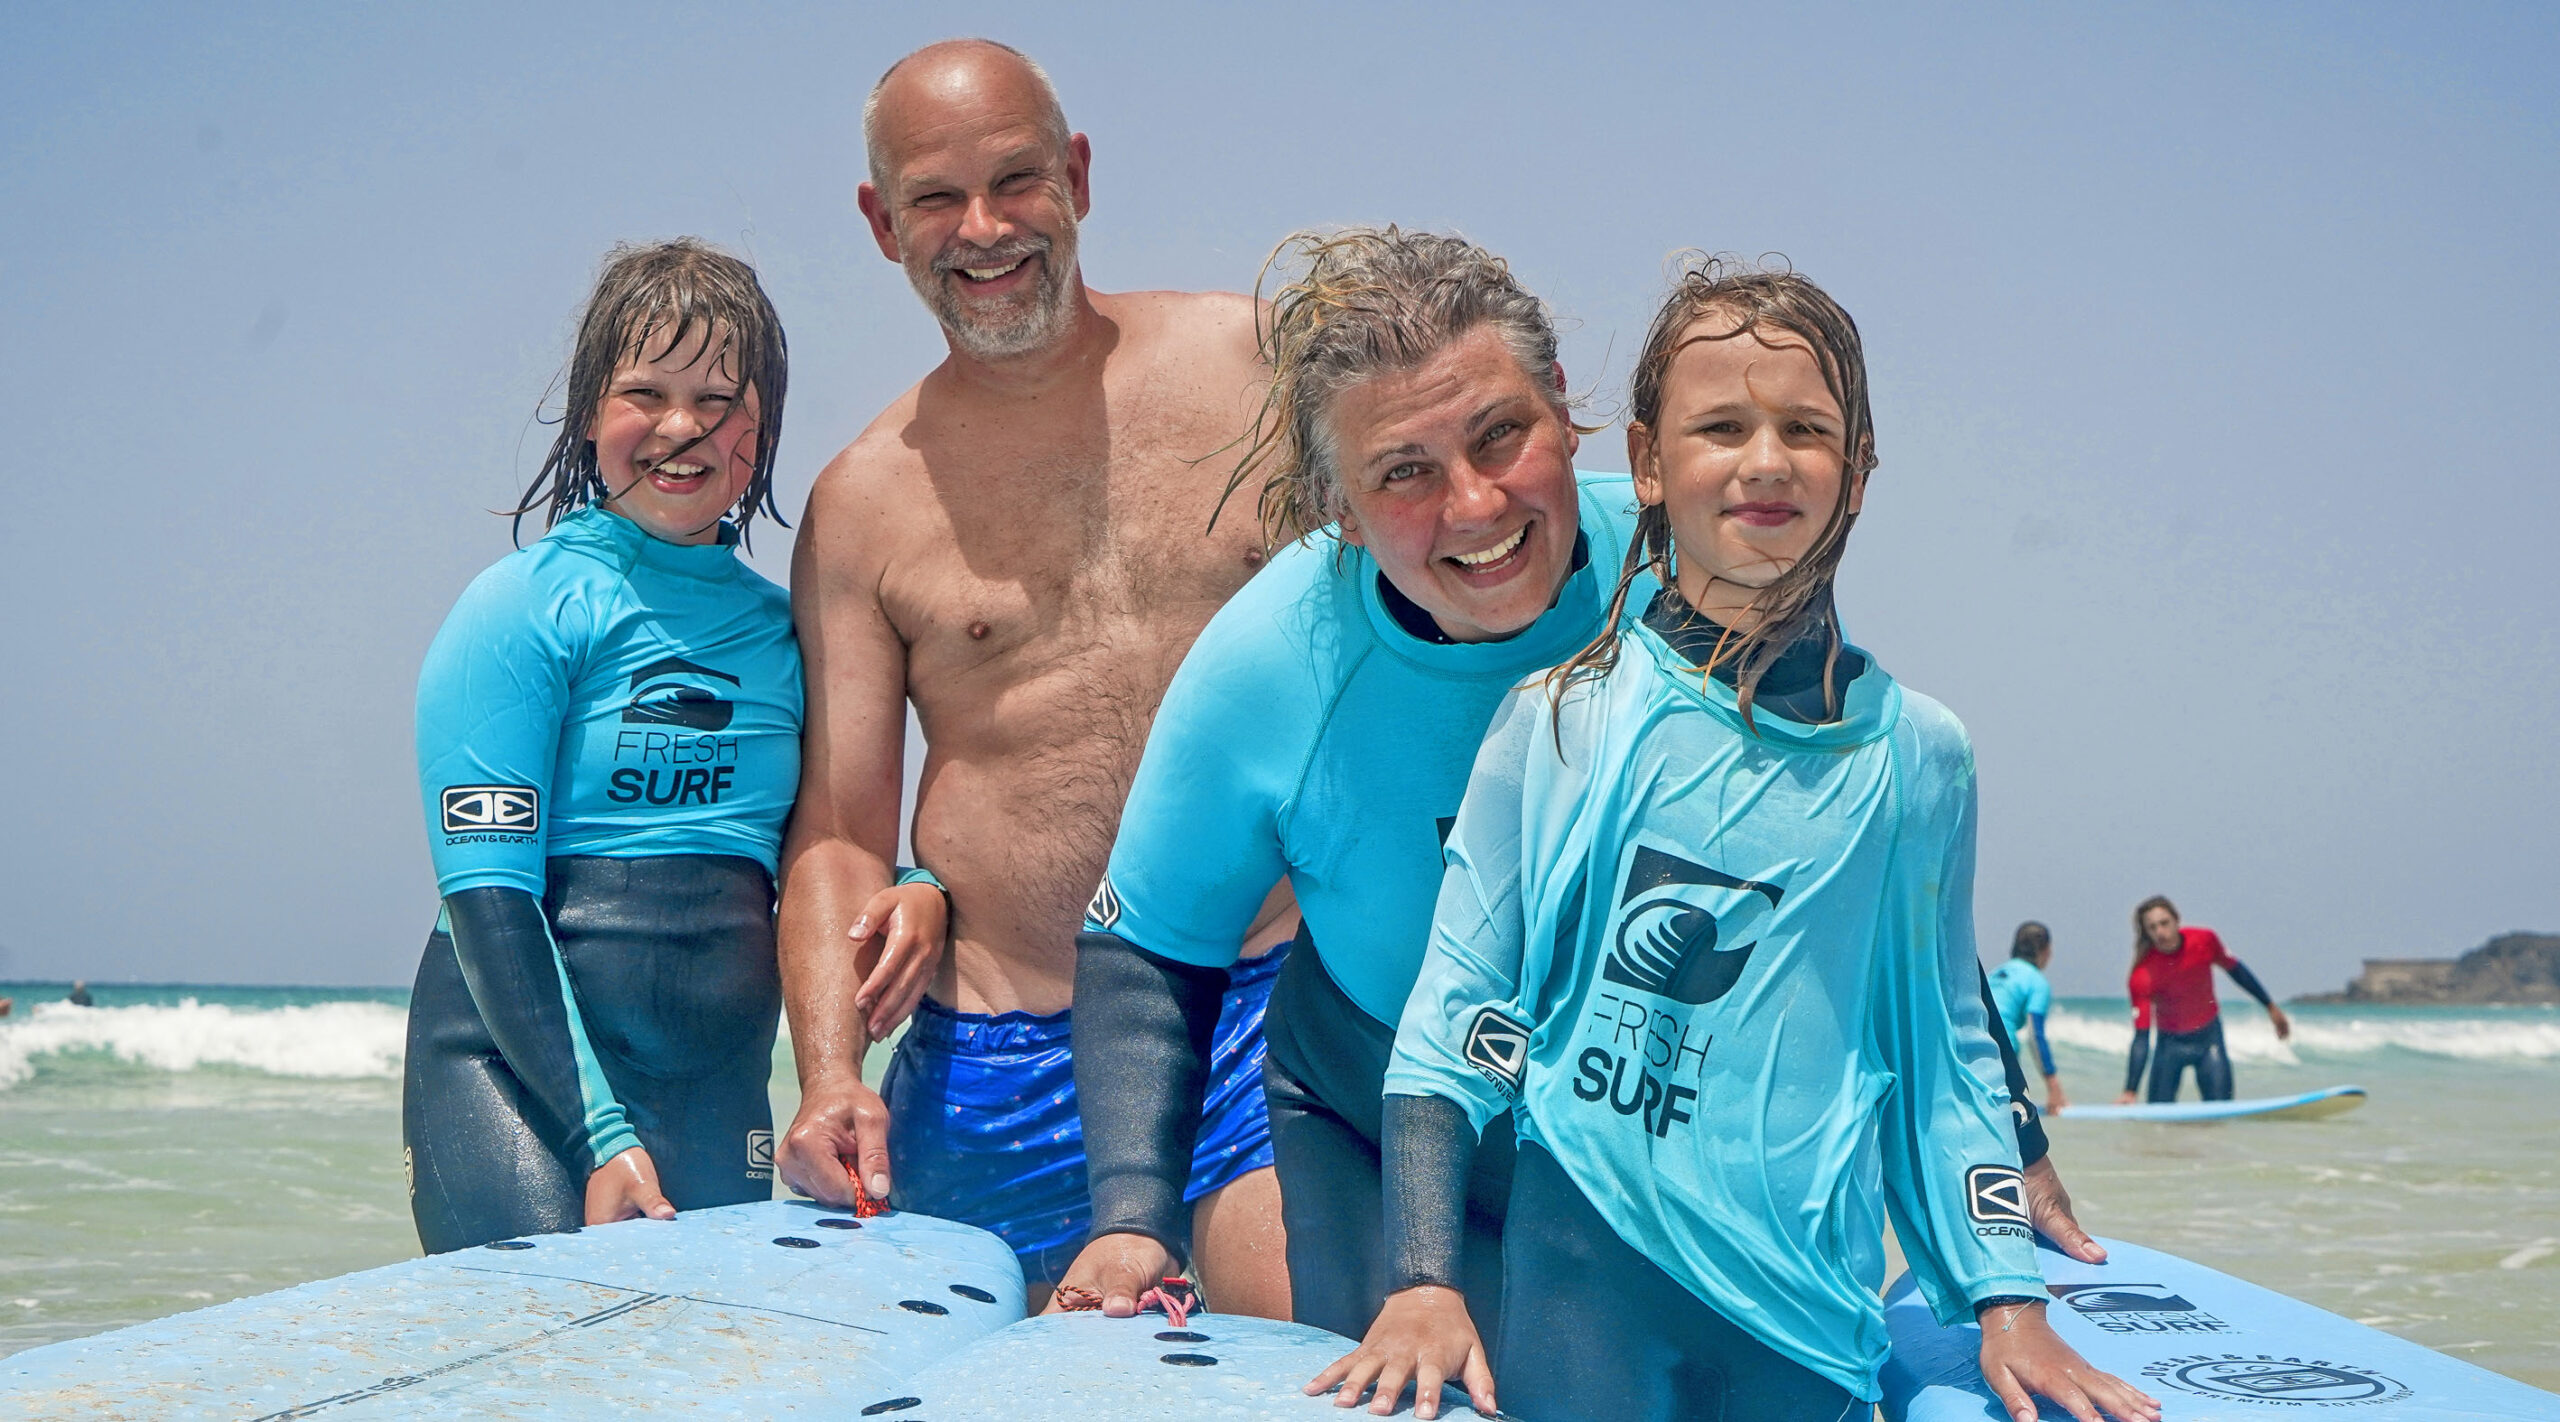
[174,1147]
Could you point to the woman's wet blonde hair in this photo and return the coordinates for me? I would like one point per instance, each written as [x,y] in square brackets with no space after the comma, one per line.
[1751,299]
[1368,301]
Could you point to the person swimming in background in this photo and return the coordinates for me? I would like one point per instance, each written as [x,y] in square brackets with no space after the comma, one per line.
[1705,942]
[2024,997]
[79,995]
[2172,989]
[608,739]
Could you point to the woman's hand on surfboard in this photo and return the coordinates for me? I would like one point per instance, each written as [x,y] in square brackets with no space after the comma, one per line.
[1424,1336]
[901,932]
[2049,1209]
[625,1188]
[2023,1359]
[1115,1268]
[2124,1099]
[2054,1100]
[843,1127]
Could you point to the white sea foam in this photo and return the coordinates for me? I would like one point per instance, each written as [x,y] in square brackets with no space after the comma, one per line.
[329,1039]
[2330,1033]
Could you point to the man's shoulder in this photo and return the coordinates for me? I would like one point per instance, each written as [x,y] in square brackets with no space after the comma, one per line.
[1192,326]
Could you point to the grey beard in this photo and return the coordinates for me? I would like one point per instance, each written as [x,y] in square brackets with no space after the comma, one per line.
[1027,329]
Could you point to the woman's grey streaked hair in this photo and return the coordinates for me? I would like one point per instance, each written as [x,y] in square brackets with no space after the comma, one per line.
[1370,301]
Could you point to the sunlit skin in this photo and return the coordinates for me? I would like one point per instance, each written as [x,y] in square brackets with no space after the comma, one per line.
[2160,928]
[675,441]
[1464,455]
[1746,453]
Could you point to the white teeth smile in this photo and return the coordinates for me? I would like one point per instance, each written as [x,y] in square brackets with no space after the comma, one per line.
[681,471]
[991,273]
[1494,554]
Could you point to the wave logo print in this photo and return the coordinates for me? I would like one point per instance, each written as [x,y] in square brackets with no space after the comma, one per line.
[657,699]
[1104,911]
[2120,1298]
[1666,944]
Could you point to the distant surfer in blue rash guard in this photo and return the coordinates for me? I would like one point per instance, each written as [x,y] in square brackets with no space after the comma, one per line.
[608,739]
[1322,727]
[1706,943]
[2024,998]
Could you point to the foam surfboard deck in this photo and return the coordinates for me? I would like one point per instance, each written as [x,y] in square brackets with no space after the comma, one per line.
[773,1309]
[2211,1347]
[1217,1366]
[2310,1105]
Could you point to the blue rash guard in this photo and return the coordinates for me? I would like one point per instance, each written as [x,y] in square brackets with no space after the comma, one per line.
[606,694]
[1725,978]
[1309,733]
[2025,1000]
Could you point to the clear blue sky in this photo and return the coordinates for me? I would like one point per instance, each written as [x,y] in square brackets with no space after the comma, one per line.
[2214,353]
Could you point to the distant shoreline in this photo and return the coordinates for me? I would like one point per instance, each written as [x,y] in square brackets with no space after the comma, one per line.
[2510,970]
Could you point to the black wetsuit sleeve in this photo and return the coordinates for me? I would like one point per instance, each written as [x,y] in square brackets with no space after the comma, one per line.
[2032,1145]
[503,945]
[2248,982]
[1428,1149]
[2139,1058]
[1143,1027]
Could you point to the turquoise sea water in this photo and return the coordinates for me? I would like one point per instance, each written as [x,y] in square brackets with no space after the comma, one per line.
[172,1147]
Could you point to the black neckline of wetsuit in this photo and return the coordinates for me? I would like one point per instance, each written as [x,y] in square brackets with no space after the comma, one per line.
[1791,687]
[1417,623]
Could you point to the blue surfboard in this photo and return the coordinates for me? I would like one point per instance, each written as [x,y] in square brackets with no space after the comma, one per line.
[2211,1347]
[2309,1106]
[774,1309]
[1217,1365]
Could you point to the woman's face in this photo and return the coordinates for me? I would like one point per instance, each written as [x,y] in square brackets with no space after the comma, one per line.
[1746,456]
[2161,927]
[1459,477]
[675,437]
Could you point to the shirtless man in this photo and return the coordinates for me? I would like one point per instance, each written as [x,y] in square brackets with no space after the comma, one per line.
[1016,545]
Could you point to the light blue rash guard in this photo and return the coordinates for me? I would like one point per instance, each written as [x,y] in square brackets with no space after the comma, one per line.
[1727,980]
[607,693]
[1308,733]
[2025,999]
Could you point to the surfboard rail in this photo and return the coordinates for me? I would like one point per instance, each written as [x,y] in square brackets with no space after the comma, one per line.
[2304,1106]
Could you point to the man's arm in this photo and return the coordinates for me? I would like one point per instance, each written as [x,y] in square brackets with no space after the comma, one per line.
[843,837]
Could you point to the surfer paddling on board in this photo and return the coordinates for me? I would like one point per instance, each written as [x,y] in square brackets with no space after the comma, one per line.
[1323,727]
[1015,547]
[2172,990]
[2023,999]
[1705,943]
[608,740]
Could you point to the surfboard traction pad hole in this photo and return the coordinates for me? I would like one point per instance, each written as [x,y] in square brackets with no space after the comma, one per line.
[793,1241]
[922,1306]
[1183,1335]
[973,1293]
[895,1404]
[1189,1360]
[839,1224]
[510,1244]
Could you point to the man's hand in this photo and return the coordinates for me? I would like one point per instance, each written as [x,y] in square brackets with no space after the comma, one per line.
[1424,1336]
[841,1128]
[2053,1098]
[2023,1359]
[625,1188]
[2049,1206]
[906,926]
[1117,1268]
[2284,1024]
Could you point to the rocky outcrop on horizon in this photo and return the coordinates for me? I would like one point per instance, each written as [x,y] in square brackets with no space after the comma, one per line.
[2512,968]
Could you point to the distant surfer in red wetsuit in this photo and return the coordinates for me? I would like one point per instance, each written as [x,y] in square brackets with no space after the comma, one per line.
[2172,980]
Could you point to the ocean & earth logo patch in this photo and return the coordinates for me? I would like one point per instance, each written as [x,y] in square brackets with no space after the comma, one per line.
[2276,1381]
[2136,1308]
[659,700]
[1104,911]
[1666,944]
[1996,1195]
[492,809]
[760,1155]
[1498,1048]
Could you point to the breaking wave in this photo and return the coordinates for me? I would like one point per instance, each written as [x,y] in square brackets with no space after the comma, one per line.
[2526,1034]
[329,1039]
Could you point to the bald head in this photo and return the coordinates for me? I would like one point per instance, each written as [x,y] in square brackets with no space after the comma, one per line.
[951,78]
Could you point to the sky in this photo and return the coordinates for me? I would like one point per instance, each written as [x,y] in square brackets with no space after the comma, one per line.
[2213,352]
